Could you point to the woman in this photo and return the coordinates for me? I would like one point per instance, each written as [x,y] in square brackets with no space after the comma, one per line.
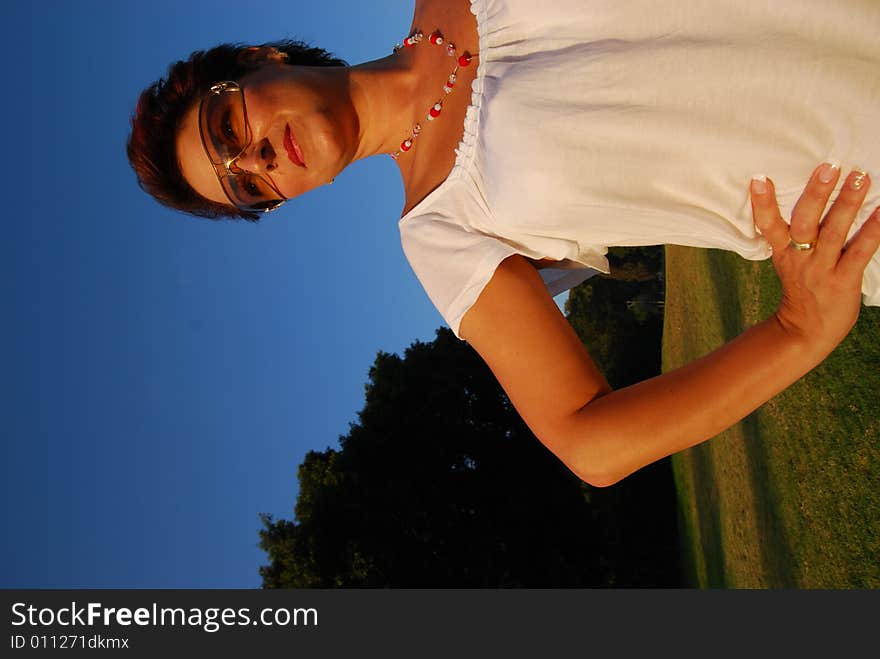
[529,138]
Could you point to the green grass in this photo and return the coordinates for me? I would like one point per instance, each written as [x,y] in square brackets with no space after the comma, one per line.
[789,497]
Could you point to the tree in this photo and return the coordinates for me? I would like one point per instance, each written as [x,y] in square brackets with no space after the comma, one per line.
[440,483]
[620,318]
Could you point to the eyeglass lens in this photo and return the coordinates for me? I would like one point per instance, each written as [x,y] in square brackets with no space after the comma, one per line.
[223,122]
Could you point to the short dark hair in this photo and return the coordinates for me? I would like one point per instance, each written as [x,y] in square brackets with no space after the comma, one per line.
[152,144]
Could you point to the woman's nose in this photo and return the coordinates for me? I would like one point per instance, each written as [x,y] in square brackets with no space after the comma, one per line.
[258,158]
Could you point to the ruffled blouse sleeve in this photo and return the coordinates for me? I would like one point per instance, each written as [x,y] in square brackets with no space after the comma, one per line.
[454,263]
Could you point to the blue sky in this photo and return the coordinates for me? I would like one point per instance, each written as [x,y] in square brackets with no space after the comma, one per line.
[164,375]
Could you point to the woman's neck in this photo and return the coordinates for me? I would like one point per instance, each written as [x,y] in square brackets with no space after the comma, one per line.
[389,96]
[385,95]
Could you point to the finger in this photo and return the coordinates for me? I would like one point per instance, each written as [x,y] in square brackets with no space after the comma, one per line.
[810,207]
[837,223]
[861,249]
[765,213]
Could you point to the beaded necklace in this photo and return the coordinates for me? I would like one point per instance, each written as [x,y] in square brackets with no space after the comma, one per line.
[463,60]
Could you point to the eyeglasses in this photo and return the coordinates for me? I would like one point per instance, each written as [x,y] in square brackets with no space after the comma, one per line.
[226,134]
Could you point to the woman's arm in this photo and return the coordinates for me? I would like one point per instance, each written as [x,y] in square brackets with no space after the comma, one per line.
[604,435]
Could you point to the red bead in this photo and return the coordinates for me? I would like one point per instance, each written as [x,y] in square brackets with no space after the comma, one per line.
[464,60]
[437,38]
[406,145]
[434,112]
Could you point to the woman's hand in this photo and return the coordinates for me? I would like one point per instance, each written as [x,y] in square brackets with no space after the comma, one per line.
[821,277]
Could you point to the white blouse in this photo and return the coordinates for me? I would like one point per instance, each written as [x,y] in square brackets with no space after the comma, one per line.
[610,122]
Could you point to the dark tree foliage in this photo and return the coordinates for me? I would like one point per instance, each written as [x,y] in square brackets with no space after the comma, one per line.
[441,484]
[620,318]
[620,321]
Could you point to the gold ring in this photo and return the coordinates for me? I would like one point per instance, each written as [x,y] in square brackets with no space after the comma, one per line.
[803,247]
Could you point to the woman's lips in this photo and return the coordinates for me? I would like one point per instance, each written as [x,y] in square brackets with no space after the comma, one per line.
[293,151]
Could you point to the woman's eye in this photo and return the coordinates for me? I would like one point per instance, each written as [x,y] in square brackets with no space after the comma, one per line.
[226,127]
[250,185]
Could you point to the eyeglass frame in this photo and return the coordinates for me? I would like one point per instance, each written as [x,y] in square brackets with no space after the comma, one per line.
[217,89]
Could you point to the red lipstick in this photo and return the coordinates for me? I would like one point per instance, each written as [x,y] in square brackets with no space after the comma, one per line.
[293,151]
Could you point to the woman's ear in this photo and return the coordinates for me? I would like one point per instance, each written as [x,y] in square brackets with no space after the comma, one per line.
[261,54]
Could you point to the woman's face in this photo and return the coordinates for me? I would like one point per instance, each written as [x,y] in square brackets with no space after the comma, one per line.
[303,132]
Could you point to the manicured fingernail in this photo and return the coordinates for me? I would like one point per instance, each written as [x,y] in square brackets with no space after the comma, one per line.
[858,181]
[759,184]
[829,171]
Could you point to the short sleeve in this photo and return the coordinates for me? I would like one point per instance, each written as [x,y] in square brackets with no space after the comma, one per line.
[454,263]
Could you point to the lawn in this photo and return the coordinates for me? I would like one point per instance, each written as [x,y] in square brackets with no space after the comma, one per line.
[789,497]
